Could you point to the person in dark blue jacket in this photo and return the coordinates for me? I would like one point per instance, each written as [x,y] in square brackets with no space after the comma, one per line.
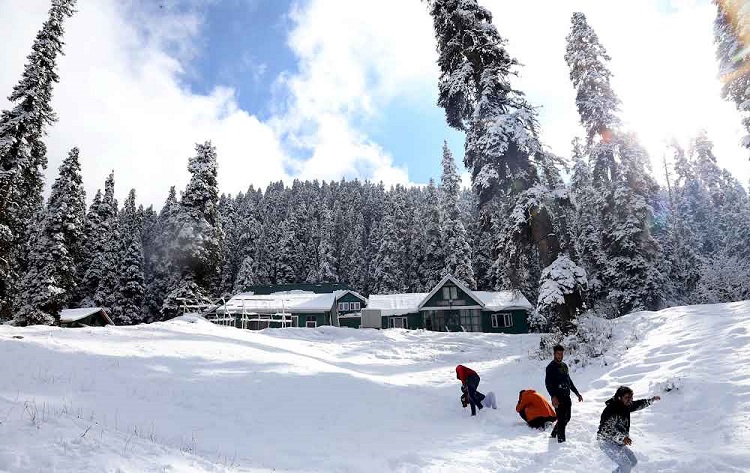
[559,385]
[614,427]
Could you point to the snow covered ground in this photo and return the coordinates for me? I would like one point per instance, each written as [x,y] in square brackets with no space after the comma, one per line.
[189,396]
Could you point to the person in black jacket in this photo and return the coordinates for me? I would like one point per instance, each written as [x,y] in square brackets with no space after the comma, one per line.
[559,385]
[614,427]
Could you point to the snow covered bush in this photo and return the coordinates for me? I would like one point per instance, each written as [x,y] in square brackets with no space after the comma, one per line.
[590,340]
[725,278]
[561,281]
[186,296]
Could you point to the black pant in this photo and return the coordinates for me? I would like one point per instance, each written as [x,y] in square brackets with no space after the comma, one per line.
[539,422]
[474,397]
[564,405]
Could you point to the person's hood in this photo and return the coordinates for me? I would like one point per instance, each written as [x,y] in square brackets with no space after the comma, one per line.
[611,401]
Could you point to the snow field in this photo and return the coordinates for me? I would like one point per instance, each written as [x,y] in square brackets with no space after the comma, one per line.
[189,396]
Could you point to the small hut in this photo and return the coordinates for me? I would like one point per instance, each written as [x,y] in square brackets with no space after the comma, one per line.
[84,317]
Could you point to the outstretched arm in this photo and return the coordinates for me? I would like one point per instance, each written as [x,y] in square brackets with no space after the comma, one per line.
[643,403]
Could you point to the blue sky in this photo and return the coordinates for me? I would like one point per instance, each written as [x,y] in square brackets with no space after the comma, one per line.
[243,45]
[331,89]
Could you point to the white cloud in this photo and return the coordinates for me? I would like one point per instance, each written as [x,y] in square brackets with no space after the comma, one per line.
[121,100]
[359,56]
[663,65]
[355,59]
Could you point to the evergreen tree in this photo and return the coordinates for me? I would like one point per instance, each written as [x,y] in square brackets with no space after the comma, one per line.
[49,284]
[128,308]
[327,260]
[388,265]
[353,263]
[731,30]
[375,203]
[621,191]
[456,249]
[100,280]
[596,101]
[414,243]
[702,195]
[161,273]
[431,269]
[630,272]
[197,249]
[23,154]
[231,258]
[286,263]
[245,276]
[681,261]
[586,222]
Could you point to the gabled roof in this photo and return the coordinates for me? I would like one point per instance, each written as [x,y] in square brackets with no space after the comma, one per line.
[446,278]
[342,293]
[68,316]
[411,303]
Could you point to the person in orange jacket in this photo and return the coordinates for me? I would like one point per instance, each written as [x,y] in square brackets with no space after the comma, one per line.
[534,409]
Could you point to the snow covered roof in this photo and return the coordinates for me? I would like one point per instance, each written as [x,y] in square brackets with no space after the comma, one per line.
[503,300]
[411,303]
[396,304]
[287,301]
[68,316]
[342,292]
[442,282]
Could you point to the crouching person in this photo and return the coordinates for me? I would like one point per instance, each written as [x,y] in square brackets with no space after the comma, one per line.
[534,409]
[469,383]
[614,428]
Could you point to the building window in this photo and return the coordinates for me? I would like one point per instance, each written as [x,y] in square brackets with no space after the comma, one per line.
[354,305]
[450,293]
[505,318]
[312,322]
[344,306]
[470,320]
[399,322]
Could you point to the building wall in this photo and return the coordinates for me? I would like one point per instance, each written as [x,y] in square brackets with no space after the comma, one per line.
[520,322]
[349,297]
[350,322]
[320,319]
[414,321]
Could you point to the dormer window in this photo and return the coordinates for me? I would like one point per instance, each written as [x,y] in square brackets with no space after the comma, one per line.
[450,293]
